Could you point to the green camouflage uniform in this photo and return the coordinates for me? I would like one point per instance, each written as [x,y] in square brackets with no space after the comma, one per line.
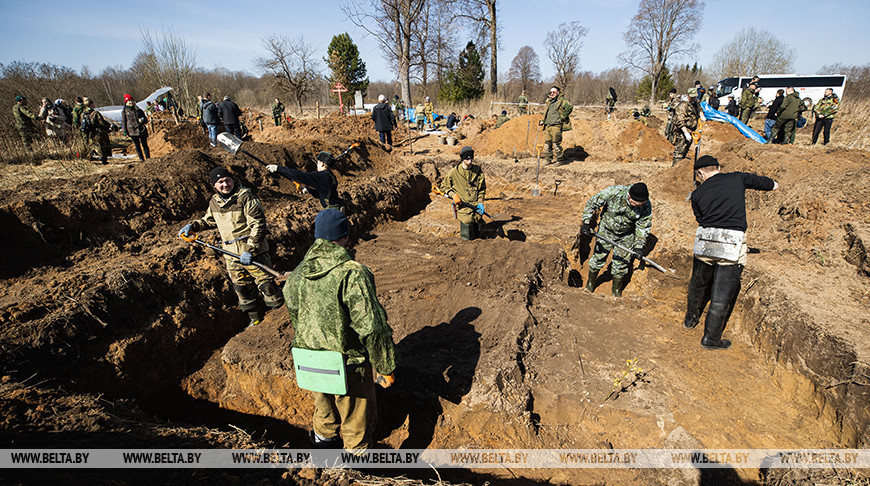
[241,221]
[790,109]
[747,104]
[522,105]
[99,137]
[24,123]
[685,115]
[620,222]
[77,116]
[557,119]
[399,110]
[277,113]
[470,185]
[669,126]
[333,306]
[501,120]
[827,106]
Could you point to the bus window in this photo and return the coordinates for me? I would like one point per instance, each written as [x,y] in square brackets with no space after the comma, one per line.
[726,86]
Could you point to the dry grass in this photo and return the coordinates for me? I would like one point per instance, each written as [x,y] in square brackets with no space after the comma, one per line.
[851,128]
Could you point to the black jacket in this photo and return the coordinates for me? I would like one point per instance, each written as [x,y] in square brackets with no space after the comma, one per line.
[133,120]
[720,202]
[384,118]
[321,184]
[774,107]
[732,108]
[210,113]
[229,112]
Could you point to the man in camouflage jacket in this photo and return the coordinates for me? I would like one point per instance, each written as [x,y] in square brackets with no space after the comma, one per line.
[557,119]
[333,306]
[670,106]
[277,112]
[685,122]
[99,136]
[239,217]
[626,218]
[466,184]
[25,122]
[825,110]
[786,117]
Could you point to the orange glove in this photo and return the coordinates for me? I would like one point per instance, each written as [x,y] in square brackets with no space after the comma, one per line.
[384,380]
[456,199]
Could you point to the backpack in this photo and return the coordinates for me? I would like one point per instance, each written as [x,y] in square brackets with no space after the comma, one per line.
[613,94]
[87,126]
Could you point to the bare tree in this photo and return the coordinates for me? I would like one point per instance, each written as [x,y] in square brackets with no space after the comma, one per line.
[167,61]
[661,30]
[752,52]
[525,68]
[392,23]
[482,16]
[292,64]
[563,49]
[432,45]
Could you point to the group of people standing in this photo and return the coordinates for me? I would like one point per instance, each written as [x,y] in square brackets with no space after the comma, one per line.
[227,113]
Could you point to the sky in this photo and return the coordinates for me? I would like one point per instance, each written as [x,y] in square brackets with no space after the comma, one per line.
[228,34]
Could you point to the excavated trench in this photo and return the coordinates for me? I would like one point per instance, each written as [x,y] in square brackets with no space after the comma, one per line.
[499,347]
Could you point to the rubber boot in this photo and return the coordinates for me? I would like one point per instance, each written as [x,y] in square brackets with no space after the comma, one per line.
[256,318]
[548,152]
[726,285]
[616,290]
[699,292]
[590,281]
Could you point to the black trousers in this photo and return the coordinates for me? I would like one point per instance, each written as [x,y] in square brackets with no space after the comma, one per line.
[141,143]
[717,284]
[819,125]
[386,137]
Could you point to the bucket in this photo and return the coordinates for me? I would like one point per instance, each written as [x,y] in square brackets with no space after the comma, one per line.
[451,140]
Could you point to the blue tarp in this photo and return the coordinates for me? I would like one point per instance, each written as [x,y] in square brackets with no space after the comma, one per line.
[411,115]
[720,116]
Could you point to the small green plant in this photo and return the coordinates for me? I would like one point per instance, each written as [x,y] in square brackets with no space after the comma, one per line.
[620,385]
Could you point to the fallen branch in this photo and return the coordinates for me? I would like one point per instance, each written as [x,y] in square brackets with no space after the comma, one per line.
[89,312]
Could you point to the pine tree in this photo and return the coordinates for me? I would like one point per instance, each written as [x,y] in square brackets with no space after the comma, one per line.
[665,84]
[464,81]
[345,65]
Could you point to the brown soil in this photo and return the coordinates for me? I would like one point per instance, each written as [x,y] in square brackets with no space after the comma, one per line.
[107,318]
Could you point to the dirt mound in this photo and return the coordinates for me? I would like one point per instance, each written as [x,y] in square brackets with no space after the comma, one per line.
[352,127]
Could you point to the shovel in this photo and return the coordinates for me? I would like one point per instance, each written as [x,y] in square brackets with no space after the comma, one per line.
[536,191]
[669,272]
[192,238]
[500,218]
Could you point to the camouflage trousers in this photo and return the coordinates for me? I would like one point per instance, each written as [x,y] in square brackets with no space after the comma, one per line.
[27,137]
[621,259]
[249,281]
[681,148]
[355,414]
[101,145]
[552,141]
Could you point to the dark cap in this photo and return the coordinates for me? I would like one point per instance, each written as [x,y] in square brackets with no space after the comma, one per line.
[466,153]
[504,112]
[673,90]
[326,158]
[20,98]
[331,225]
[217,174]
[639,192]
[705,161]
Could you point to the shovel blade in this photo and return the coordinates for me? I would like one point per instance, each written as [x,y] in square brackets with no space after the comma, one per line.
[229,142]
[502,218]
[536,192]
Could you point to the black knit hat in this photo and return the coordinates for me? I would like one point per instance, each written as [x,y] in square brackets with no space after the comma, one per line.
[326,158]
[217,174]
[466,153]
[705,161]
[639,192]
[331,225]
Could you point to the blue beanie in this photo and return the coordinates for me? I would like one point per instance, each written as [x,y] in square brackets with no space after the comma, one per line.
[331,225]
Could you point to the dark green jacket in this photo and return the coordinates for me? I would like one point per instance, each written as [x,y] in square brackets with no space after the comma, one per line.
[333,306]
[277,109]
[791,107]
[24,119]
[77,115]
[747,99]
[558,112]
[469,184]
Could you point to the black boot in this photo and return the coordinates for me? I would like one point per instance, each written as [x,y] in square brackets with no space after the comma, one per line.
[726,285]
[617,287]
[699,292]
[590,281]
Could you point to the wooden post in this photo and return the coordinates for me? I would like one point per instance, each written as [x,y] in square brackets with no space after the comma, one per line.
[317,108]
[261,125]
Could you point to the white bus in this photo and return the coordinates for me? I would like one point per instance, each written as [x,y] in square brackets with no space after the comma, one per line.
[812,87]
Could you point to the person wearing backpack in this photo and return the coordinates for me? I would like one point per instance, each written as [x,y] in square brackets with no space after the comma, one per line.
[96,129]
[211,118]
[134,123]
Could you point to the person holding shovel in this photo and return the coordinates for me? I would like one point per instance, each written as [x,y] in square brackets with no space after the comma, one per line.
[625,219]
[466,185]
[239,217]
[321,184]
[333,307]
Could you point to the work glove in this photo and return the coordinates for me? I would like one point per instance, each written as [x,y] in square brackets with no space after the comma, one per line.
[126,135]
[480,209]
[687,134]
[245,258]
[457,199]
[384,380]
[186,230]
[585,229]
[272,168]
